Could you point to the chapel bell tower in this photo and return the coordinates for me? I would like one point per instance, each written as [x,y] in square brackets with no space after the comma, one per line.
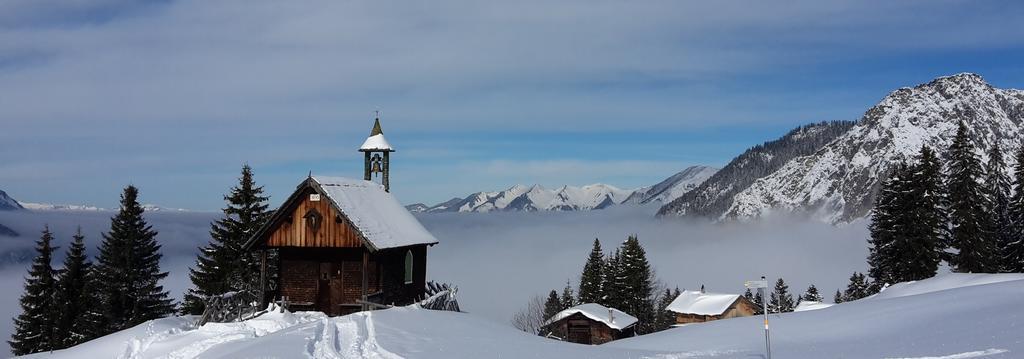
[376,151]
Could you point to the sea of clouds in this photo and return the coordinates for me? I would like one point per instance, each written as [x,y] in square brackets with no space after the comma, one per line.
[500,261]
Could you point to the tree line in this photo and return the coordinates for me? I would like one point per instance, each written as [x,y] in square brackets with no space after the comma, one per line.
[956,209]
[83,300]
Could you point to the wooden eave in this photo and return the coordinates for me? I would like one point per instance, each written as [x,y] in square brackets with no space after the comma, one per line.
[259,238]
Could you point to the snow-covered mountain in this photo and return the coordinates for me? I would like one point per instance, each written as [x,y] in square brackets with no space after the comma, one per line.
[533,198]
[59,207]
[674,186]
[838,182]
[89,208]
[7,203]
[713,196]
[571,198]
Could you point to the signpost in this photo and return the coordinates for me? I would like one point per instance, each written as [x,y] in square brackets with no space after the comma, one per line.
[760,285]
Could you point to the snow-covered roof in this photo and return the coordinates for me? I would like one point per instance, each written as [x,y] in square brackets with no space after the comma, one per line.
[700,303]
[619,320]
[811,305]
[374,212]
[376,142]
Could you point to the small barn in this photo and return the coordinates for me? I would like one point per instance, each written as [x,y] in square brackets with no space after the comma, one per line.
[699,306]
[590,323]
[345,245]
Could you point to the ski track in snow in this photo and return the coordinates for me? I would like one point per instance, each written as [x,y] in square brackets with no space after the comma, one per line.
[361,338]
[974,354]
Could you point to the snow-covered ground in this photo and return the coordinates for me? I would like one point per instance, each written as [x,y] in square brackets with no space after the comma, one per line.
[951,316]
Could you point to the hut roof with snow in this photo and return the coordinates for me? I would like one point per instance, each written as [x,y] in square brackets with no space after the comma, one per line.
[699,306]
[613,318]
[701,303]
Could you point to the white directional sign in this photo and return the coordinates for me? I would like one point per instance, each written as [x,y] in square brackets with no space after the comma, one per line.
[756,284]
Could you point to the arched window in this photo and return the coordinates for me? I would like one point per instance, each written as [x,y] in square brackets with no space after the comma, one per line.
[408,267]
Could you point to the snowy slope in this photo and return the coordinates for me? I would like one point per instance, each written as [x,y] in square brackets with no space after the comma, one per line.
[674,186]
[838,182]
[956,318]
[951,316]
[713,197]
[7,203]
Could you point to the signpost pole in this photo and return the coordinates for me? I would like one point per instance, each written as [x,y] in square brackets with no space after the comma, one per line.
[764,303]
[761,286]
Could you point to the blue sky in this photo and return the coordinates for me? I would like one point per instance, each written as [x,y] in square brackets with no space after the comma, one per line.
[174,96]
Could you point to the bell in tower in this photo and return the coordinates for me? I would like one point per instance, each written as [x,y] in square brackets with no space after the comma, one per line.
[376,152]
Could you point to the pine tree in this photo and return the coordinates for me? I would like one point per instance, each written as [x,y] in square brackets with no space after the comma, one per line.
[928,222]
[838,297]
[759,302]
[223,266]
[638,289]
[128,269]
[567,299]
[614,282]
[35,328]
[997,190]
[781,301]
[665,318]
[888,225]
[967,204]
[908,235]
[552,305]
[73,300]
[812,295]
[858,288]
[591,279]
[1012,250]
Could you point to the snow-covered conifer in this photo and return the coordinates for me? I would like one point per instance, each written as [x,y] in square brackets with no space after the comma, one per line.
[969,235]
[128,269]
[222,265]
[35,328]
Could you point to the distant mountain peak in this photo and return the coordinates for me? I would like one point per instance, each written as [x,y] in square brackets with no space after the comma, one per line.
[567,198]
[7,203]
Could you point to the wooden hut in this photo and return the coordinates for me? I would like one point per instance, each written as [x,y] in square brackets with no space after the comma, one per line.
[590,323]
[699,306]
[345,245]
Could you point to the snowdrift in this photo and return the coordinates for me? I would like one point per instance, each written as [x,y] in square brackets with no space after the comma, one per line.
[951,316]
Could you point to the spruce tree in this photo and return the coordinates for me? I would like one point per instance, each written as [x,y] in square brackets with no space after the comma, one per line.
[567,299]
[811,295]
[614,286]
[638,289]
[759,302]
[128,269]
[223,266]
[781,301]
[665,318]
[552,305]
[838,297]
[35,328]
[73,299]
[997,190]
[1012,250]
[887,226]
[591,279]
[858,288]
[969,227]
[928,221]
[908,234]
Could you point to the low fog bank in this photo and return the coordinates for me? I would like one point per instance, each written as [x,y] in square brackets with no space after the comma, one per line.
[500,260]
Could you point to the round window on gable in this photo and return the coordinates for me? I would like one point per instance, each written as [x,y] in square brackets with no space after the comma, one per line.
[408,267]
